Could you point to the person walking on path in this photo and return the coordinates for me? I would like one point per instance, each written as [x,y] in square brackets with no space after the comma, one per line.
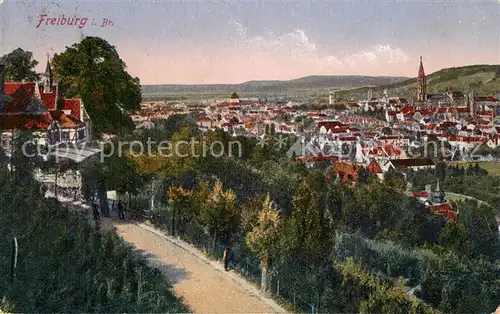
[225,259]
[121,213]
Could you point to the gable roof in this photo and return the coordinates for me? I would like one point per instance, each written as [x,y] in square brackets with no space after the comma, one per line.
[20,96]
[49,99]
[64,119]
[74,106]
[374,167]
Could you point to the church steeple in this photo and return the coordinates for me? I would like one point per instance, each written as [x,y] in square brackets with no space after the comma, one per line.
[421,83]
[48,78]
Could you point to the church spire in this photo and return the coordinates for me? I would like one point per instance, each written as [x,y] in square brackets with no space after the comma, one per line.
[421,83]
[48,78]
[421,72]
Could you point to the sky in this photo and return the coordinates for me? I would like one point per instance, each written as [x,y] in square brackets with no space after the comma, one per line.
[209,42]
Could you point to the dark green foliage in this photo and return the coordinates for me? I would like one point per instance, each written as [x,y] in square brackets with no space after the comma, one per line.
[475,234]
[93,71]
[66,266]
[19,66]
[460,285]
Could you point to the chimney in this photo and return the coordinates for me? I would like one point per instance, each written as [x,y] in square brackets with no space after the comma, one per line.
[2,97]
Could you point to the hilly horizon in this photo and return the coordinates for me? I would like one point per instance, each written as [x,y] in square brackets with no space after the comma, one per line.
[484,79]
[307,82]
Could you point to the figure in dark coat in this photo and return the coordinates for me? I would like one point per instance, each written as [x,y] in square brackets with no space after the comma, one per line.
[225,259]
[121,213]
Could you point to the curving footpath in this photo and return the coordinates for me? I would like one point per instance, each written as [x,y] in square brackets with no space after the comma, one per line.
[202,283]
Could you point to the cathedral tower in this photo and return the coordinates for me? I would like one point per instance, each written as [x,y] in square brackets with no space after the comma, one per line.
[421,83]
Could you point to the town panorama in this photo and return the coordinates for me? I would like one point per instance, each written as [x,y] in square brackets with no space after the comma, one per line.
[249,157]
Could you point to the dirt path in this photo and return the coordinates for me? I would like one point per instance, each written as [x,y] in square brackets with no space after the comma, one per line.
[201,282]
[204,285]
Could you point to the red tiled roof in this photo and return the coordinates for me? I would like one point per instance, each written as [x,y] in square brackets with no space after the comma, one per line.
[204,119]
[49,99]
[374,167]
[485,113]
[67,121]
[487,98]
[25,121]
[21,95]
[74,106]
[420,194]
[445,210]
[319,157]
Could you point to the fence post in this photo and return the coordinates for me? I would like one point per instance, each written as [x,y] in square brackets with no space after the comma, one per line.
[13,264]
[294,303]
[278,289]
[312,309]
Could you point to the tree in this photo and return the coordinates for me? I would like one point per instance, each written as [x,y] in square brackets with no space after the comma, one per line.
[219,215]
[93,70]
[250,212]
[395,180]
[181,201]
[474,234]
[261,239]
[306,221]
[365,176]
[19,66]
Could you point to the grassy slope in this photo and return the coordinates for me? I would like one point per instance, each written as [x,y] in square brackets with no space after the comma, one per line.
[484,79]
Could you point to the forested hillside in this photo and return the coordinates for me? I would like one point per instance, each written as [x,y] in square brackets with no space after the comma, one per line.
[65,265]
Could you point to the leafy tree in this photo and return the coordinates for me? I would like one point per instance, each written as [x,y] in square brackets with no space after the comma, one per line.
[93,70]
[250,212]
[262,238]
[19,66]
[395,180]
[184,212]
[219,215]
[365,176]
[306,222]
[393,300]
[475,233]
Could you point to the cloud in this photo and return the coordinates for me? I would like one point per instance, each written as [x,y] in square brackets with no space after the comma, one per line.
[378,54]
[296,49]
[239,27]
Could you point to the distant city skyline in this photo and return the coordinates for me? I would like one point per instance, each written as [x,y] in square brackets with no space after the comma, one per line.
[203,42]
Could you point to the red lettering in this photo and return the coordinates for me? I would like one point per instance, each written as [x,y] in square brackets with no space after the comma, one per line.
[42,17]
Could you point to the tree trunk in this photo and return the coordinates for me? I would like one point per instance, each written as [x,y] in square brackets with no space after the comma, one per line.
[173,221]
[214,243]
[264,265]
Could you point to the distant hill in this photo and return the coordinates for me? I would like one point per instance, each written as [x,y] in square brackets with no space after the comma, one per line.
[309,82]
[483,79]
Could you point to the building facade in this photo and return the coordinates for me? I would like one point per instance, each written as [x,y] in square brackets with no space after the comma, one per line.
[31,108]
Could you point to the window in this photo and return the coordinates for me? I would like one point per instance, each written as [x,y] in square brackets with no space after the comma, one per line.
[81,134]
[65,136]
